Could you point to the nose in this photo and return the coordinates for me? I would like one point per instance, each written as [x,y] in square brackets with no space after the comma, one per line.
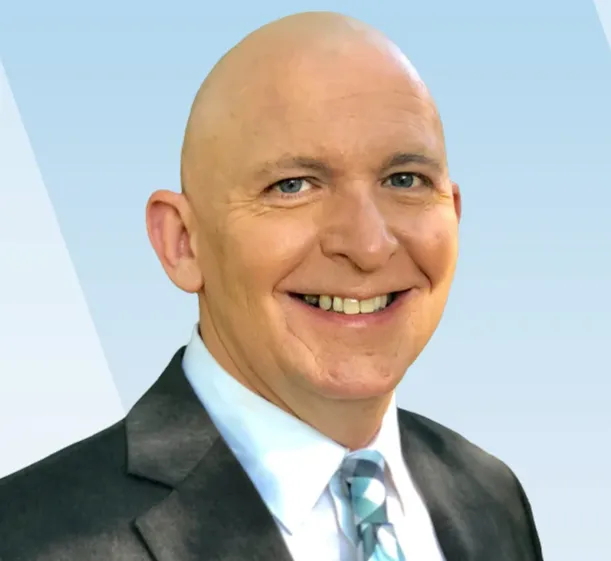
[355,229]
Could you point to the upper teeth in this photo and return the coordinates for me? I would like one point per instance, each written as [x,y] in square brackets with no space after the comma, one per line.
[348,306]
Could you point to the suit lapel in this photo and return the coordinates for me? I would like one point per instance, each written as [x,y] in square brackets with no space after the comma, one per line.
[436,483]
[213,512]
[477,509]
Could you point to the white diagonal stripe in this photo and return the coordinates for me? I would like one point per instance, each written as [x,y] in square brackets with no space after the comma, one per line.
[55,385]
[603,7]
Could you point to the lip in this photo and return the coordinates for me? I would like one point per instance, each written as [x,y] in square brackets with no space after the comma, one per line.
[356,321]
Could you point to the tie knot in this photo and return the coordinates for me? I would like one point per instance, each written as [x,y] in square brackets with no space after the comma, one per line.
[362,475]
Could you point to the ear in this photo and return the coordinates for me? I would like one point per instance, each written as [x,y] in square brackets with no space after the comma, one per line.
[168,216]
[457,200]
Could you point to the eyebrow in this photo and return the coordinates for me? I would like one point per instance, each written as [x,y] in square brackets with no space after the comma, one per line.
[313,164]
[407,158]
[296,162]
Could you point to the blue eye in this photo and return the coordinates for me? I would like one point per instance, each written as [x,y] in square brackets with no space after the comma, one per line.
[403,180]
[291,186]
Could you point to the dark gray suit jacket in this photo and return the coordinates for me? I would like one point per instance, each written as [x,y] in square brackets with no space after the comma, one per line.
[162,485]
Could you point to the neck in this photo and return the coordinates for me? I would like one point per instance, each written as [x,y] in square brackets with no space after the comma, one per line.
[353,424]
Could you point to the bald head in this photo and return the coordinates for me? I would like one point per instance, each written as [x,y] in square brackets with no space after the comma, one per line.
[291,61]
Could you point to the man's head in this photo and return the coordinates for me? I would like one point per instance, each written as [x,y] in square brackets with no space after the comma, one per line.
[314,175]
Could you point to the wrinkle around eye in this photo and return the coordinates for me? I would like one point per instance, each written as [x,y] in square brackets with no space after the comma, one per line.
[272,197]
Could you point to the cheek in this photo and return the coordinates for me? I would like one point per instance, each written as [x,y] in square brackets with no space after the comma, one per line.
[261,251]
[432,242]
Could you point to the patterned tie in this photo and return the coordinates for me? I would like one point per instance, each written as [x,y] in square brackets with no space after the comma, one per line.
[362,476]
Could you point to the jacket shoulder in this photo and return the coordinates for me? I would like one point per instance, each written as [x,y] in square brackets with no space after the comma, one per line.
[76,501]
[69,467]
[449,445]
[482,480]
[458,454]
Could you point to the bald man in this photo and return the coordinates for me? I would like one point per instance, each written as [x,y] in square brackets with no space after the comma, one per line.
[318,226]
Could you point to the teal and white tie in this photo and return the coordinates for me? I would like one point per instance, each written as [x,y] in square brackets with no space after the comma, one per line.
[362,476]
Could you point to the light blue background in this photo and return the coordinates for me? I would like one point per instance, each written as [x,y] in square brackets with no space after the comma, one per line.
[520,364]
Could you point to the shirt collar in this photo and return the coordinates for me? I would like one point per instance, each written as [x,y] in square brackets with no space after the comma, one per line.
[289,462]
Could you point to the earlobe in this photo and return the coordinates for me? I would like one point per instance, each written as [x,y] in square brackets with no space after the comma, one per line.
[166,221]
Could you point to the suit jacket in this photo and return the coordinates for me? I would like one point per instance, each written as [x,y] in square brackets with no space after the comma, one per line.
[162,485]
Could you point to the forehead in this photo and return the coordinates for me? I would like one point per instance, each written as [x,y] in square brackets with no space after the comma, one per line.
[348,111]
[359,128]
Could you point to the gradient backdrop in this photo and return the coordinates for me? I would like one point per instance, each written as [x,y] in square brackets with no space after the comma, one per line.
[93,101]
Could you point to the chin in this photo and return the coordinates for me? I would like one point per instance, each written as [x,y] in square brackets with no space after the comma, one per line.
[356,384]
[356,394]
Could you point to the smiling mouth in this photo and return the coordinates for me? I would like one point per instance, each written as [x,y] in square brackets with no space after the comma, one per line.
[348,306]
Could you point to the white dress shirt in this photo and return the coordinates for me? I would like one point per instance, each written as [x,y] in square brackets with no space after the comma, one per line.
[294,468]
